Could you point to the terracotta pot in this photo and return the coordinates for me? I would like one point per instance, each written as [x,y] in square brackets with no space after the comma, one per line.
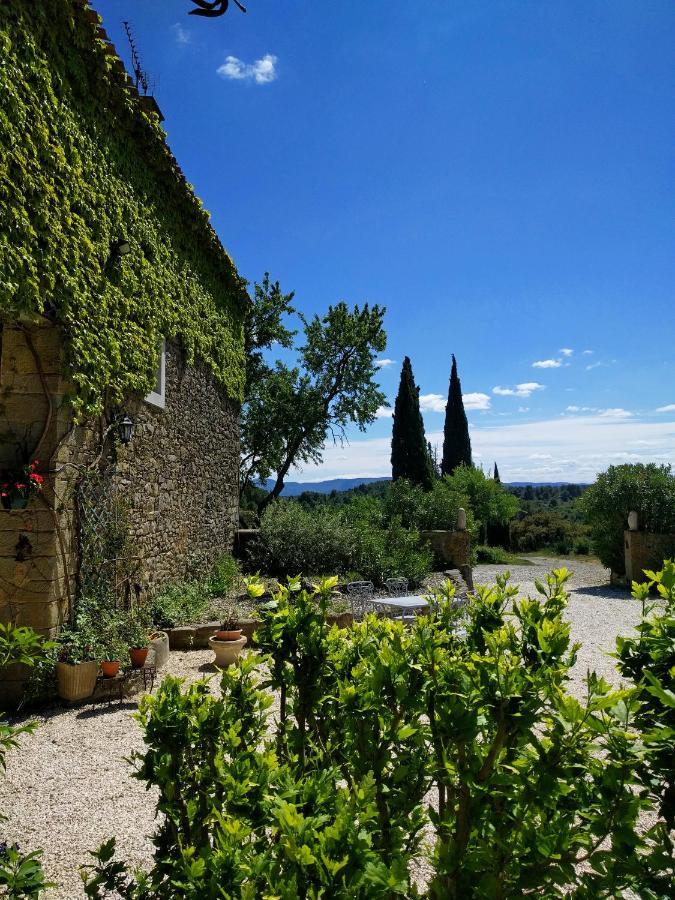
[138,656]
[110,667]
[227,652]
[203,633]
[233,635]
[159,644]
[78,681]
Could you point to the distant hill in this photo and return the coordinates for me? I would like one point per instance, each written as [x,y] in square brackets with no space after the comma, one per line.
[294,488]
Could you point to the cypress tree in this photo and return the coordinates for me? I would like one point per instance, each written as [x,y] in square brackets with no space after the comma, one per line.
[409,451]
[496,475]
[456,440]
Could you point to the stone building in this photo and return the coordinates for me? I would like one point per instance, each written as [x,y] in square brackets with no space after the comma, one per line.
[167,284]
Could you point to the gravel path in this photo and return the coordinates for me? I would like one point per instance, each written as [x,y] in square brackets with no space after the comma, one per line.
[68,788]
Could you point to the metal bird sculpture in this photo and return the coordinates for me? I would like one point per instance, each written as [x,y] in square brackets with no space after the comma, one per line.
[213,8]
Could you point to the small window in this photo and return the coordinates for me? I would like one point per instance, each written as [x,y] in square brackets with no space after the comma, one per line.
[156,395]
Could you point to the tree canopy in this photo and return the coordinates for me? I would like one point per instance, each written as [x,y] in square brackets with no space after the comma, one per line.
[290,410]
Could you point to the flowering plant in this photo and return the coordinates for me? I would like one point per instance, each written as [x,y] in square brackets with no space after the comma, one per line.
[16,488]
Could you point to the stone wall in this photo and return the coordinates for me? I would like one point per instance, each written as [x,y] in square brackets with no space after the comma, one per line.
[179,477]
[646,551]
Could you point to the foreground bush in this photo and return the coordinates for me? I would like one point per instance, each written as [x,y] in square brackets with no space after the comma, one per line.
[646,488]
[536,793]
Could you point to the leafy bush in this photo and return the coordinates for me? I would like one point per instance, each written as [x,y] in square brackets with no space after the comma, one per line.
[293,539]
[424,510]
[649,659]
[649,489]
[180,604]
[225,575]
[324,539]
[542,530]
[537,792]
[488,500]
[495,555]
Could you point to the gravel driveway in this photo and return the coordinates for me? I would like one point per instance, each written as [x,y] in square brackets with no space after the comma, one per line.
[68,788]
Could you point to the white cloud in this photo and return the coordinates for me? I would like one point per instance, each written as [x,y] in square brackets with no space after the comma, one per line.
[579,448]
[576,409]
[526,389]
[566,351]
[669,408]
[383,412]
[181,34]
[587,353]
[383,363]
[616,413]
[547,364]
[432,402]
[523,409]
[476,400]
[540,456]
[262,71]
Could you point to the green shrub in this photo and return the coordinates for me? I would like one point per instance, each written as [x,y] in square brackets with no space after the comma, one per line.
[293,539]
[649,660]
[180,604]
[324,539]
[649,489]
[535,792]
[542,530]
[225,576]
[496,555]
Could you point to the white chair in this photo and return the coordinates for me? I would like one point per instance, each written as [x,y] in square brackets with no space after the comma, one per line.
[357,592]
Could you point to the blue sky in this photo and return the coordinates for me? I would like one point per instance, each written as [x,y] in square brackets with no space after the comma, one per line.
[499,175]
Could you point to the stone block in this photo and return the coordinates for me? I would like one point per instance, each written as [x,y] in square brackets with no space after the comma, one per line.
[451,549]
[646,551]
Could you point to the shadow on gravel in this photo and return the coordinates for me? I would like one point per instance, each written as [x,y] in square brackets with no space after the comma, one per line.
[104,708]
[603,591]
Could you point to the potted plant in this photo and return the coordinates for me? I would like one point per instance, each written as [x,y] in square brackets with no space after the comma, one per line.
[134,632]
[112,651]
[228,630]
[17,487]
[77,666]
[228,642]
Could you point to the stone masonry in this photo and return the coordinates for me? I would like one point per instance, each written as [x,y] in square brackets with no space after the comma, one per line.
[178,477]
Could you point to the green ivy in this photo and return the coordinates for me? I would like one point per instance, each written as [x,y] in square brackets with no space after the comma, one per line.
[82,166]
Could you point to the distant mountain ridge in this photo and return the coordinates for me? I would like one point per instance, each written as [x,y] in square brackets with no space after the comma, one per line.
[295,488]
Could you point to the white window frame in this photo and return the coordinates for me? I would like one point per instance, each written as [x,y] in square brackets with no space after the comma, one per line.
[157,398]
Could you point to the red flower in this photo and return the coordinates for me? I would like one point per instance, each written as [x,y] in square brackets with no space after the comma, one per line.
[35,478]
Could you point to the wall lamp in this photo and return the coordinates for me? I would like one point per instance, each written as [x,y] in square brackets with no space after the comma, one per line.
[125,429]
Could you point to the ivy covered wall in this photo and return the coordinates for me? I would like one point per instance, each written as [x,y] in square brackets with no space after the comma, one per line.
[82,166]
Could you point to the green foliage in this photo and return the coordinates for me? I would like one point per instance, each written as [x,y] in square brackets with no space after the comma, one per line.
[538,793]
[542,529]
[456,440]
[295,539]
[649,489]
[83,167]
[495,555]
[189,602]
[487,499]
[649,659]
[426,510]
[180,604]
[21,874]
[290,410]
[409,452]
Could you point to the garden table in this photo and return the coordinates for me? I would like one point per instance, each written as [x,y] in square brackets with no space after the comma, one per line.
[398,607]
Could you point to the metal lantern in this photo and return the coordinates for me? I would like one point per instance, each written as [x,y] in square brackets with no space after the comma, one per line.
[125,428]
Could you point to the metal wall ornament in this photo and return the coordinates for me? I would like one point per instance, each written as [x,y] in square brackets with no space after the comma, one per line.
[211,9]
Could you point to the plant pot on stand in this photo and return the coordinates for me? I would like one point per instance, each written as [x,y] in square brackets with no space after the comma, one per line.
[138,656]
[76,681]
[226,652]
[110,668]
